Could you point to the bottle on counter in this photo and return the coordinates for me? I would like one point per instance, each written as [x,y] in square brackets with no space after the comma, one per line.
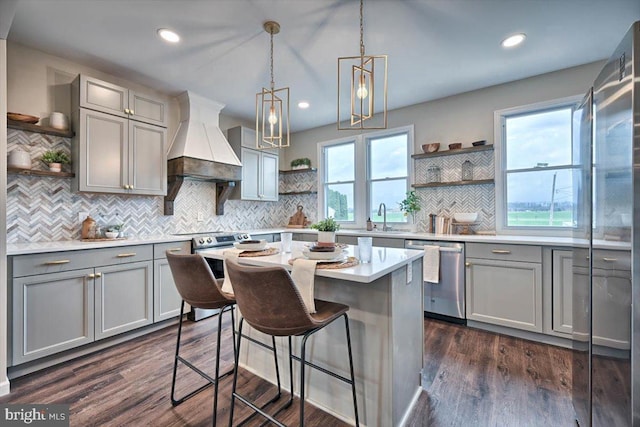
[88,228]
[369,224]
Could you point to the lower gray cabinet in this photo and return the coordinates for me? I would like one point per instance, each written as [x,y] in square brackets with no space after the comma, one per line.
[123,298]
[166,299]
[51,313]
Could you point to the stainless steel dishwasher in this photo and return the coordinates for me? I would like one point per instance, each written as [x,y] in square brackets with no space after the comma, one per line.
[445,300]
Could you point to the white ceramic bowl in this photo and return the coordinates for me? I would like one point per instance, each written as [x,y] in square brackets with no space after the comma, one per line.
[111,234]
[251,246]
[323,256]
[465,216]
[19,159]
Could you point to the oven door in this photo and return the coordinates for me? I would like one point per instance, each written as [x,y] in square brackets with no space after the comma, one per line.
[218,272]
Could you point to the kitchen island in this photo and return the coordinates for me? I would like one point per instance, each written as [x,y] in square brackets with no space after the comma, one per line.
[385,300]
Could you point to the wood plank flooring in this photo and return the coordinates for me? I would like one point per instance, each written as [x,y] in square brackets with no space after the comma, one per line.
[472,378]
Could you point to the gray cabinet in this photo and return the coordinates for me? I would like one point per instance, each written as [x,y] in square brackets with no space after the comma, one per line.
[504,285]
[562,279]
[112,151]
[259,167]
[166,299]
[382,242]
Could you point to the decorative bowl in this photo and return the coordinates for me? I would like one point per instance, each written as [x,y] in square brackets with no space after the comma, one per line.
[24,118]
[111,234]
[478,143]
[465,217]
[323,256]
[455,146]
[431,148]
[261,245]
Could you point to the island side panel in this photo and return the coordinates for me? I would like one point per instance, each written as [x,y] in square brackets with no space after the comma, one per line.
[407,326]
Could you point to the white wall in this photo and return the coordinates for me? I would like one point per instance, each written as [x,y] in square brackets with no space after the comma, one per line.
[4,382]
[462,118]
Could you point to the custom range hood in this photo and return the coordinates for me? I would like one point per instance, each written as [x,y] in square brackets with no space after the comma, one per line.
[200,151]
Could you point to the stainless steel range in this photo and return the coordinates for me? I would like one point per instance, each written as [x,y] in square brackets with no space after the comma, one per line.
[209,240]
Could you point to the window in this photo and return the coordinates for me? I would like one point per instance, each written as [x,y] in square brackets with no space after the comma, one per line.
[535,168]
[358,174]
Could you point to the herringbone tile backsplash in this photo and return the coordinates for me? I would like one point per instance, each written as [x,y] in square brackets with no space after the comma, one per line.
[45,209]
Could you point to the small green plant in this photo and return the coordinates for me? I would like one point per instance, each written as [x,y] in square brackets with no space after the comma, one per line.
[55,156]
[301,162]
[328,224]
[411,204]
[115,227]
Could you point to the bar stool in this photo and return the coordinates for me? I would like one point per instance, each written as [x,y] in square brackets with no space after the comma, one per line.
[198,287]
[270,302]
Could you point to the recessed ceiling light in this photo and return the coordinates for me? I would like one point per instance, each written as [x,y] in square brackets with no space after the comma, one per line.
[514,40]
[168,35]
[303,105]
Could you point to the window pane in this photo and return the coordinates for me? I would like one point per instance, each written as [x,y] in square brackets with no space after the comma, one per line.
[389,157]
[539,139]
[340,164]
[340,202]
[390,193]
[530,196]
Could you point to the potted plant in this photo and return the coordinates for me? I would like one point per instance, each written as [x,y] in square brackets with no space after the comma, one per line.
[302,163]
[326,230]
[410,205]
[54,159]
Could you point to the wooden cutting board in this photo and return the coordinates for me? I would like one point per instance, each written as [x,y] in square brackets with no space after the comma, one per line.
[299,219]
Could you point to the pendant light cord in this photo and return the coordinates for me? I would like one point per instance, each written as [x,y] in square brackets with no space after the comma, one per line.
[271,55]
[361,28]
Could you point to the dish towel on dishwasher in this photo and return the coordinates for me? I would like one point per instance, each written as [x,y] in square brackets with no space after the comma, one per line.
[303,275]
[233,254]
[431,264]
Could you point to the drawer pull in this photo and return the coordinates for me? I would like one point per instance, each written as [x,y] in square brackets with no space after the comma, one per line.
[500,251]
[98,274]
[467,264]
[126,255]
[175,250]
[93,276]
[62,261]
[609,259]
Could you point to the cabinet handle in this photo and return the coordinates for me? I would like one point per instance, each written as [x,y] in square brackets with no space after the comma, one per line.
[175,250]
[98,274]
[609,259]
[93,276]
[126,111]
[62,261]
[126,255]
[131,112]
[467,264]
[500,251]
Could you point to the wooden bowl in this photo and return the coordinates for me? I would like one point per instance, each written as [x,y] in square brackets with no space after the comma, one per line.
[455,146]
[478,143]
[431,148]
[24,118]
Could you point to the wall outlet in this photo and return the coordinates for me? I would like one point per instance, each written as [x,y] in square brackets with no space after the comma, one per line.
[200,216]
[82,216]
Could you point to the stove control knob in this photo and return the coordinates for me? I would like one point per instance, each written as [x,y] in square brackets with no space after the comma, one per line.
[201,241]
[209,240]
[244,237]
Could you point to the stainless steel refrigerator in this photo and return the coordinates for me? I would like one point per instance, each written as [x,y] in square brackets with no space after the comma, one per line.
[606,260]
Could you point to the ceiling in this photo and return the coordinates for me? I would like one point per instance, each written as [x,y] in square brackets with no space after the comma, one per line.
[436,48]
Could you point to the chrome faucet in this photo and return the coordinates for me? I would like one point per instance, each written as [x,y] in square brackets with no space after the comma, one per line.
[382,210]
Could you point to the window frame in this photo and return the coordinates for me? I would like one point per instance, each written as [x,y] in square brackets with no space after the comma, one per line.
[362,172]
[501,209]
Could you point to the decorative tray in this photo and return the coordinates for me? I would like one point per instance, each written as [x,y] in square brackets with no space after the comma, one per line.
[103,239]
[265,252]
[348,262]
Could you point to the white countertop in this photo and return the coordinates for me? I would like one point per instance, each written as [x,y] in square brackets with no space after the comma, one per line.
[384,261]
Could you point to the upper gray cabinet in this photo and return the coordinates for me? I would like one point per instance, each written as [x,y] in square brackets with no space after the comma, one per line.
[117,100]
[115,150]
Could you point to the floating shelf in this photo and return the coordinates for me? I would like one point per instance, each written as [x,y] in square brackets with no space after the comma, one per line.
[297,193]
[298,171]
[34,172]
[453,183]
[13,124]
[452,152]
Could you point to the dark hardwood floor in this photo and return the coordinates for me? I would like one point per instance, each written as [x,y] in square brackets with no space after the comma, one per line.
[472,378]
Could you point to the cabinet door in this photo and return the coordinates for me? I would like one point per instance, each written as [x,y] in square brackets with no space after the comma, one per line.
[269,177]
[505,293]
[51,313]
[102,96]
[166,299]
[103,152]
[123,298]
[250,174]
[562,279]
[611,308]
[147,159]
[147,109]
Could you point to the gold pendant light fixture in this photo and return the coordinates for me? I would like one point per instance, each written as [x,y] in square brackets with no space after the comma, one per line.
[362,88]
[272,107]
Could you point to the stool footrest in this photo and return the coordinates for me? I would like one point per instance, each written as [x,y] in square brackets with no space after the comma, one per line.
[321,369]
[210,381]
[259,410]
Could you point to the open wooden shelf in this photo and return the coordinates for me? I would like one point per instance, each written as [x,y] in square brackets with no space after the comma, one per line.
[452,152]
[298,171]
[34,172]
[39,129]
[297,193]
[453,183]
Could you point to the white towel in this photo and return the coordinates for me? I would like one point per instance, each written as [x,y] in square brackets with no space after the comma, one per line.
[431,264]
[233,254]
[303,275]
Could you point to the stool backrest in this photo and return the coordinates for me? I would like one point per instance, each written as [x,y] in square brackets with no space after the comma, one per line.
[268,299]
[195,281]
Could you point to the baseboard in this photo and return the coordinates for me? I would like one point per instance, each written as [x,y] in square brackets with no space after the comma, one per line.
[5,387]
[411,407]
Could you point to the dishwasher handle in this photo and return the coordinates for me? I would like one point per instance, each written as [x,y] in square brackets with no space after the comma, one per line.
[442,248]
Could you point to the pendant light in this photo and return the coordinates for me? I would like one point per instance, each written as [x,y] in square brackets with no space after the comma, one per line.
[272,107]
[362,88]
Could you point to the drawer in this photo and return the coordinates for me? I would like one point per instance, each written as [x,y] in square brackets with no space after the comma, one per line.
[55,262]
[523,253]
[603,259]
[181,248]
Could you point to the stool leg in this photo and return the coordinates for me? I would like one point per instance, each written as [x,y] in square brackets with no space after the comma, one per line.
[235,373]
[302,366]
[290,376]
[353,379]
[174,401]
[215,386]
[275,358]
